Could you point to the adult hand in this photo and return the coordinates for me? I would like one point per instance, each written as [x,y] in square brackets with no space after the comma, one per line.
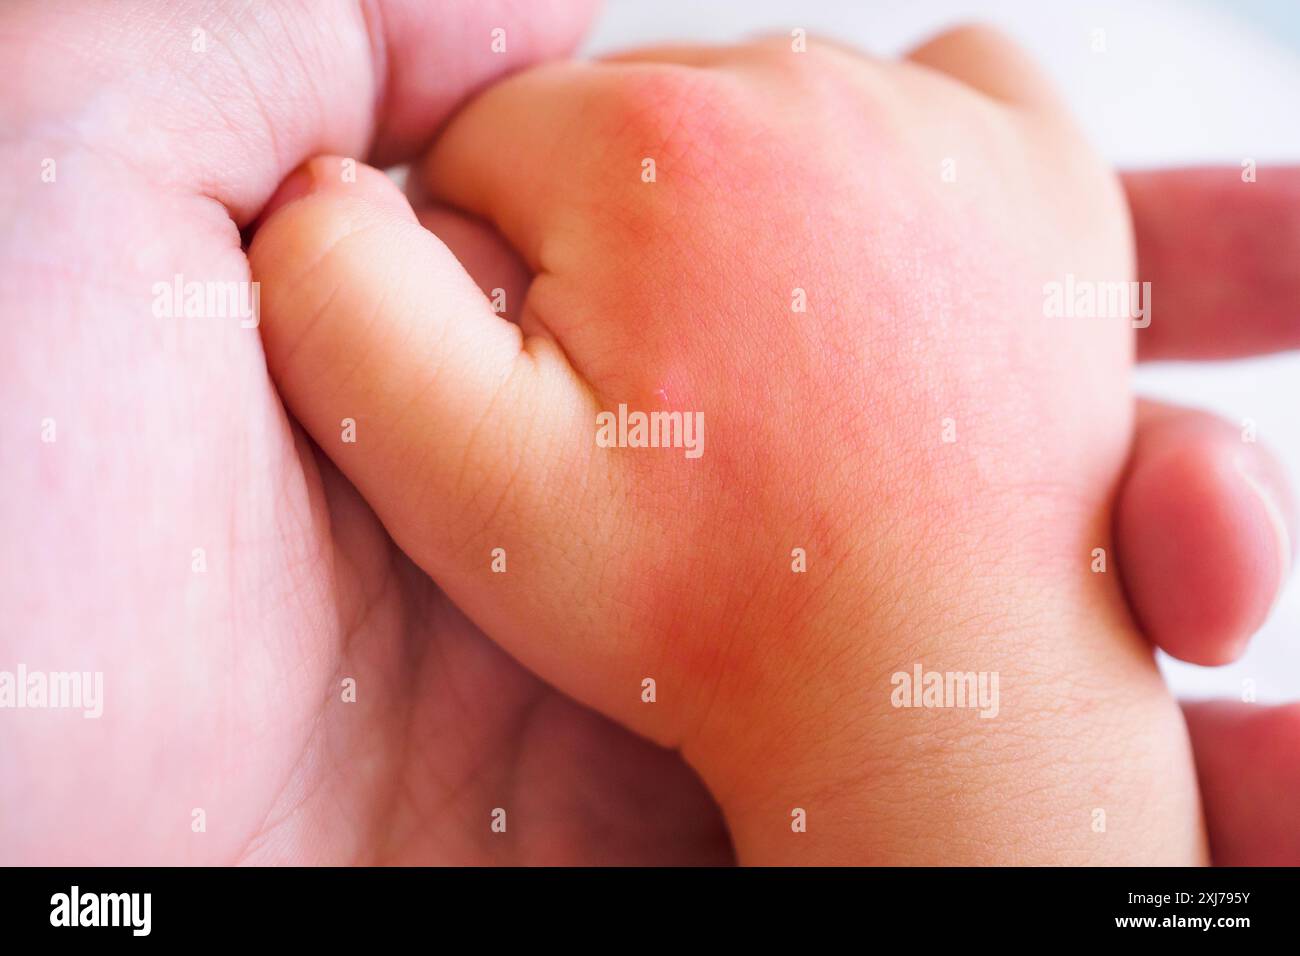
[168,525]
[1206,522]
[175,530]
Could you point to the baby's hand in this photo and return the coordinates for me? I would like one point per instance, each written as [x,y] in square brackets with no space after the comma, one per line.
[889,453]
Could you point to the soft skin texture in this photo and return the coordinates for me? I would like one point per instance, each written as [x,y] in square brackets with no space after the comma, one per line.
[824,432]
[222,690]
[165,444]
[1206,528]
[1241,239]
[1248,758]
[1206,522]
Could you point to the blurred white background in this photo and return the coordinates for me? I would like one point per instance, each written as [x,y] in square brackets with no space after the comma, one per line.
[1180,83]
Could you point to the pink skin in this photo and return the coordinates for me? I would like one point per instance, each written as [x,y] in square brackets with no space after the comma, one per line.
[1248,760]
[1205,529]
[1199,544]
[1207,521]
[223,690]
[314,374]
[303,584]
[1245,753]
[1220,255]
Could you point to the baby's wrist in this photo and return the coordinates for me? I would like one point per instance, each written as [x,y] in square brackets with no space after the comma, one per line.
[1043,758]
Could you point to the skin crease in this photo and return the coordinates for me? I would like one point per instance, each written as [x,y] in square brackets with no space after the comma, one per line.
[223,693]
[775,686]
[223,689]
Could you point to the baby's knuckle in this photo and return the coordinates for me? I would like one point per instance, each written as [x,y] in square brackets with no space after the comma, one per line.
[681,118]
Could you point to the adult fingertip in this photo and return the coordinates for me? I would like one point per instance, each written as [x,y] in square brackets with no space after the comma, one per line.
[1273,500]
[1203,533]
[1248,764]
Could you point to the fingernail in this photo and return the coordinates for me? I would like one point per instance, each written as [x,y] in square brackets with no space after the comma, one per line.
[1276,519]
[299,183]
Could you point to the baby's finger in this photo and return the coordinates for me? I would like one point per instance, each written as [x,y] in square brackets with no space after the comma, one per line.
[505,158]
[987,60]
[1203,524]
[439,411]
[495,267]
[1248,763]
[701,55]
[1219,247]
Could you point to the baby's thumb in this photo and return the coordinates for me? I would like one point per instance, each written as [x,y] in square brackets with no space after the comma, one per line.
[394,361]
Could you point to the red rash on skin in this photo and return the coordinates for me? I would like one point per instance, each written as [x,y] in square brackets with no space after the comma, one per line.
[772,386]
[824,432]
